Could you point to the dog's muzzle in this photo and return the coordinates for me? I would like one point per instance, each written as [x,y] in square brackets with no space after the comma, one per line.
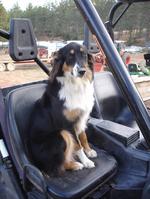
[78,71]
[81,71]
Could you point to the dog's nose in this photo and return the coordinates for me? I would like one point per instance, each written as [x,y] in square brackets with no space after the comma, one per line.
[81,71]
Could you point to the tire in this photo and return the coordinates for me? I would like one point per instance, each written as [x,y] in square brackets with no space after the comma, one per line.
[2,67]
[11,66]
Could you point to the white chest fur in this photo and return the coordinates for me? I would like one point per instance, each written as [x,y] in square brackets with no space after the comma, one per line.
[77,94]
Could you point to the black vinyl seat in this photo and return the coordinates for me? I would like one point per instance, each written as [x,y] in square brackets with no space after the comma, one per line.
[111,102]
[72,184]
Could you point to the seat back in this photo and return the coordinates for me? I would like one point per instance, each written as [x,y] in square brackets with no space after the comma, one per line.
[111,102]
[19,104]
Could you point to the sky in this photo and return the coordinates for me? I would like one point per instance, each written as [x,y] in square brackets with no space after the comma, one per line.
[8,4]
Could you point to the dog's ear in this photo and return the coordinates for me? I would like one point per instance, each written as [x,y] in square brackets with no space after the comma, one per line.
[57,64]
[91,61]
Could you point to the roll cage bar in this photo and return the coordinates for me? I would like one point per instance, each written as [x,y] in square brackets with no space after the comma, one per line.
[111,23]
[115,62]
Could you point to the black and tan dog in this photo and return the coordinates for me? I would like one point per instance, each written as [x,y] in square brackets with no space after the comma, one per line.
[58,122]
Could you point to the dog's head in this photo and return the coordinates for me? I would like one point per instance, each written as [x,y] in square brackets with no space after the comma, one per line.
[73,60]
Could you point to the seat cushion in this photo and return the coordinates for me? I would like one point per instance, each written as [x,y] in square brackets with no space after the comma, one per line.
[74,184]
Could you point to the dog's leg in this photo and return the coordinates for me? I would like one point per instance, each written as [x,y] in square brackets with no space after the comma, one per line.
[91,153]
[82,156]
[73,165]
[69,162]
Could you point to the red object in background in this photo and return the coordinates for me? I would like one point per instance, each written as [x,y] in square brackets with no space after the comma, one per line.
[128,59]
[99,63]
[43,52]
[98,67]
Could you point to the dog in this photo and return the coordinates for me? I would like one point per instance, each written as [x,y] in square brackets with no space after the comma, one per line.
[58,121]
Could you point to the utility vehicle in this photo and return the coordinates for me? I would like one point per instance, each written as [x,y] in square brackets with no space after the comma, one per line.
[119,129]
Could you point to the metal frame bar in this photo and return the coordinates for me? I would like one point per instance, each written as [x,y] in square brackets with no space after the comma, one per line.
[117,67]
[113,10]
[110,24]
[4,34]
[42,66]
[86,35]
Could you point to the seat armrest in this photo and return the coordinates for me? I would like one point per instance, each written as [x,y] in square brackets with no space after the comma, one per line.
[124,134]
[32,175]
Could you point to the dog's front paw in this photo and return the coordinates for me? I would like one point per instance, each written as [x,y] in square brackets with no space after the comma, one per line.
[78,166]
[88,164]
[91,153]
[84,159]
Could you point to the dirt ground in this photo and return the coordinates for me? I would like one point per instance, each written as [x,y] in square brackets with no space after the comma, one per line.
[22,74]
[147,103]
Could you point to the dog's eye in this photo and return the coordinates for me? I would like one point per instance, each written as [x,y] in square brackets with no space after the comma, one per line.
[72,52]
